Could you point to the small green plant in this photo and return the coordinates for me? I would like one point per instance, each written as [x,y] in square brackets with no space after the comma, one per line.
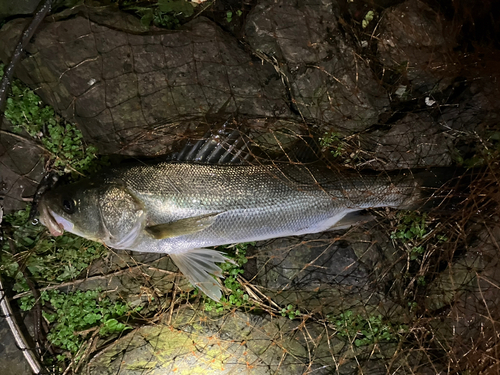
[290,311]
[169,14]
[412,305]
[334,142]
[366,331]
[413,227]
[368,18]
[236,296]
[51,260]
[486,152]
[26,112]
[416,252]
[76,314]
[48,259]
[421,281]
[229,15]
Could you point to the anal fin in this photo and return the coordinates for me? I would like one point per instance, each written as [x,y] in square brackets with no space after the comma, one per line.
[198,265]
[351,219]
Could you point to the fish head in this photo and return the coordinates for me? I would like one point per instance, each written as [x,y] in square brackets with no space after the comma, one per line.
[107,213]
[72,208]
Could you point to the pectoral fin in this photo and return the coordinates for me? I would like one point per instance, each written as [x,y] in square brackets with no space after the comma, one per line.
[198,265]
[181,227]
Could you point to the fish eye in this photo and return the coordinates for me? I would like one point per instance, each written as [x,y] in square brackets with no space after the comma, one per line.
[68,205]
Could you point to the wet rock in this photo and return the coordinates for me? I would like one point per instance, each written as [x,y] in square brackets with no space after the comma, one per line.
[234,343]
[415,41]
[249,344]
[321,273]
[308,262]
[12,360]
[452,282]
[327,81]
[10,8]
[120,88]
[469,300]
[475,108]
[376,252]
[21,166]
[414,141]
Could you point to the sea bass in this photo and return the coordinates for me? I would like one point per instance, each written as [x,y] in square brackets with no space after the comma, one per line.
[181,208]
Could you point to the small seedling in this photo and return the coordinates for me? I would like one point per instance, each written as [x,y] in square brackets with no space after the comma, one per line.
[368,18]
[236,296]
[48,259]
[169,14]
[333,141]
[75,314]
[412,226]
[290,311]
[229,15]
[26,112]
[412,229]
[365,331]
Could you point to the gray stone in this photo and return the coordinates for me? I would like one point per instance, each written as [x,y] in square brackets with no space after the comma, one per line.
[21,166]
[327,80]
[10,8]
[119,87]
[12,361]
[412,142]
[414,40]
[228,344]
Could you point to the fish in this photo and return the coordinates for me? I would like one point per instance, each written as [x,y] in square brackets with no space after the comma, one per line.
[218,192]
[181,208]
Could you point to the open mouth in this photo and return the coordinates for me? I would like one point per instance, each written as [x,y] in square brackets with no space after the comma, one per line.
[50,220]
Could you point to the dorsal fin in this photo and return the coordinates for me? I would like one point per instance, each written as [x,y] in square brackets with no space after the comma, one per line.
[227,145]
[224,146]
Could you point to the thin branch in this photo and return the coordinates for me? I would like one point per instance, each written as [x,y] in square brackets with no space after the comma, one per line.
[76,282]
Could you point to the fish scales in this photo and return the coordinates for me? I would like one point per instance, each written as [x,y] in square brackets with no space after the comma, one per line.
[180,208]
[254,202]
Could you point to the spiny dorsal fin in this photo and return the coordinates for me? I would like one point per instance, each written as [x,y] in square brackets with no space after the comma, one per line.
[224,146]
[231,146]
[181,227]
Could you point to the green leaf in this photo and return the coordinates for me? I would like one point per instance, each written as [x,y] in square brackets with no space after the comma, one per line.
[176,6]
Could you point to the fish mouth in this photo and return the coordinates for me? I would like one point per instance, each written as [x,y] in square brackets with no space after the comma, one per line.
[54,223]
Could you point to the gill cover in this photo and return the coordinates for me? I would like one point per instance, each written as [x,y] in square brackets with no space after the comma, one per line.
[122,216]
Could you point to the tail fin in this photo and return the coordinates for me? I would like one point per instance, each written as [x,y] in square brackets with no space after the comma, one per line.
[442,188]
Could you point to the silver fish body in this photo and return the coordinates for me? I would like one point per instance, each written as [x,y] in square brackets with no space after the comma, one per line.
[180,208]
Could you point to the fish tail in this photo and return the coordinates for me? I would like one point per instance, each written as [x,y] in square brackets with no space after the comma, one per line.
[198,265]
[442,188]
